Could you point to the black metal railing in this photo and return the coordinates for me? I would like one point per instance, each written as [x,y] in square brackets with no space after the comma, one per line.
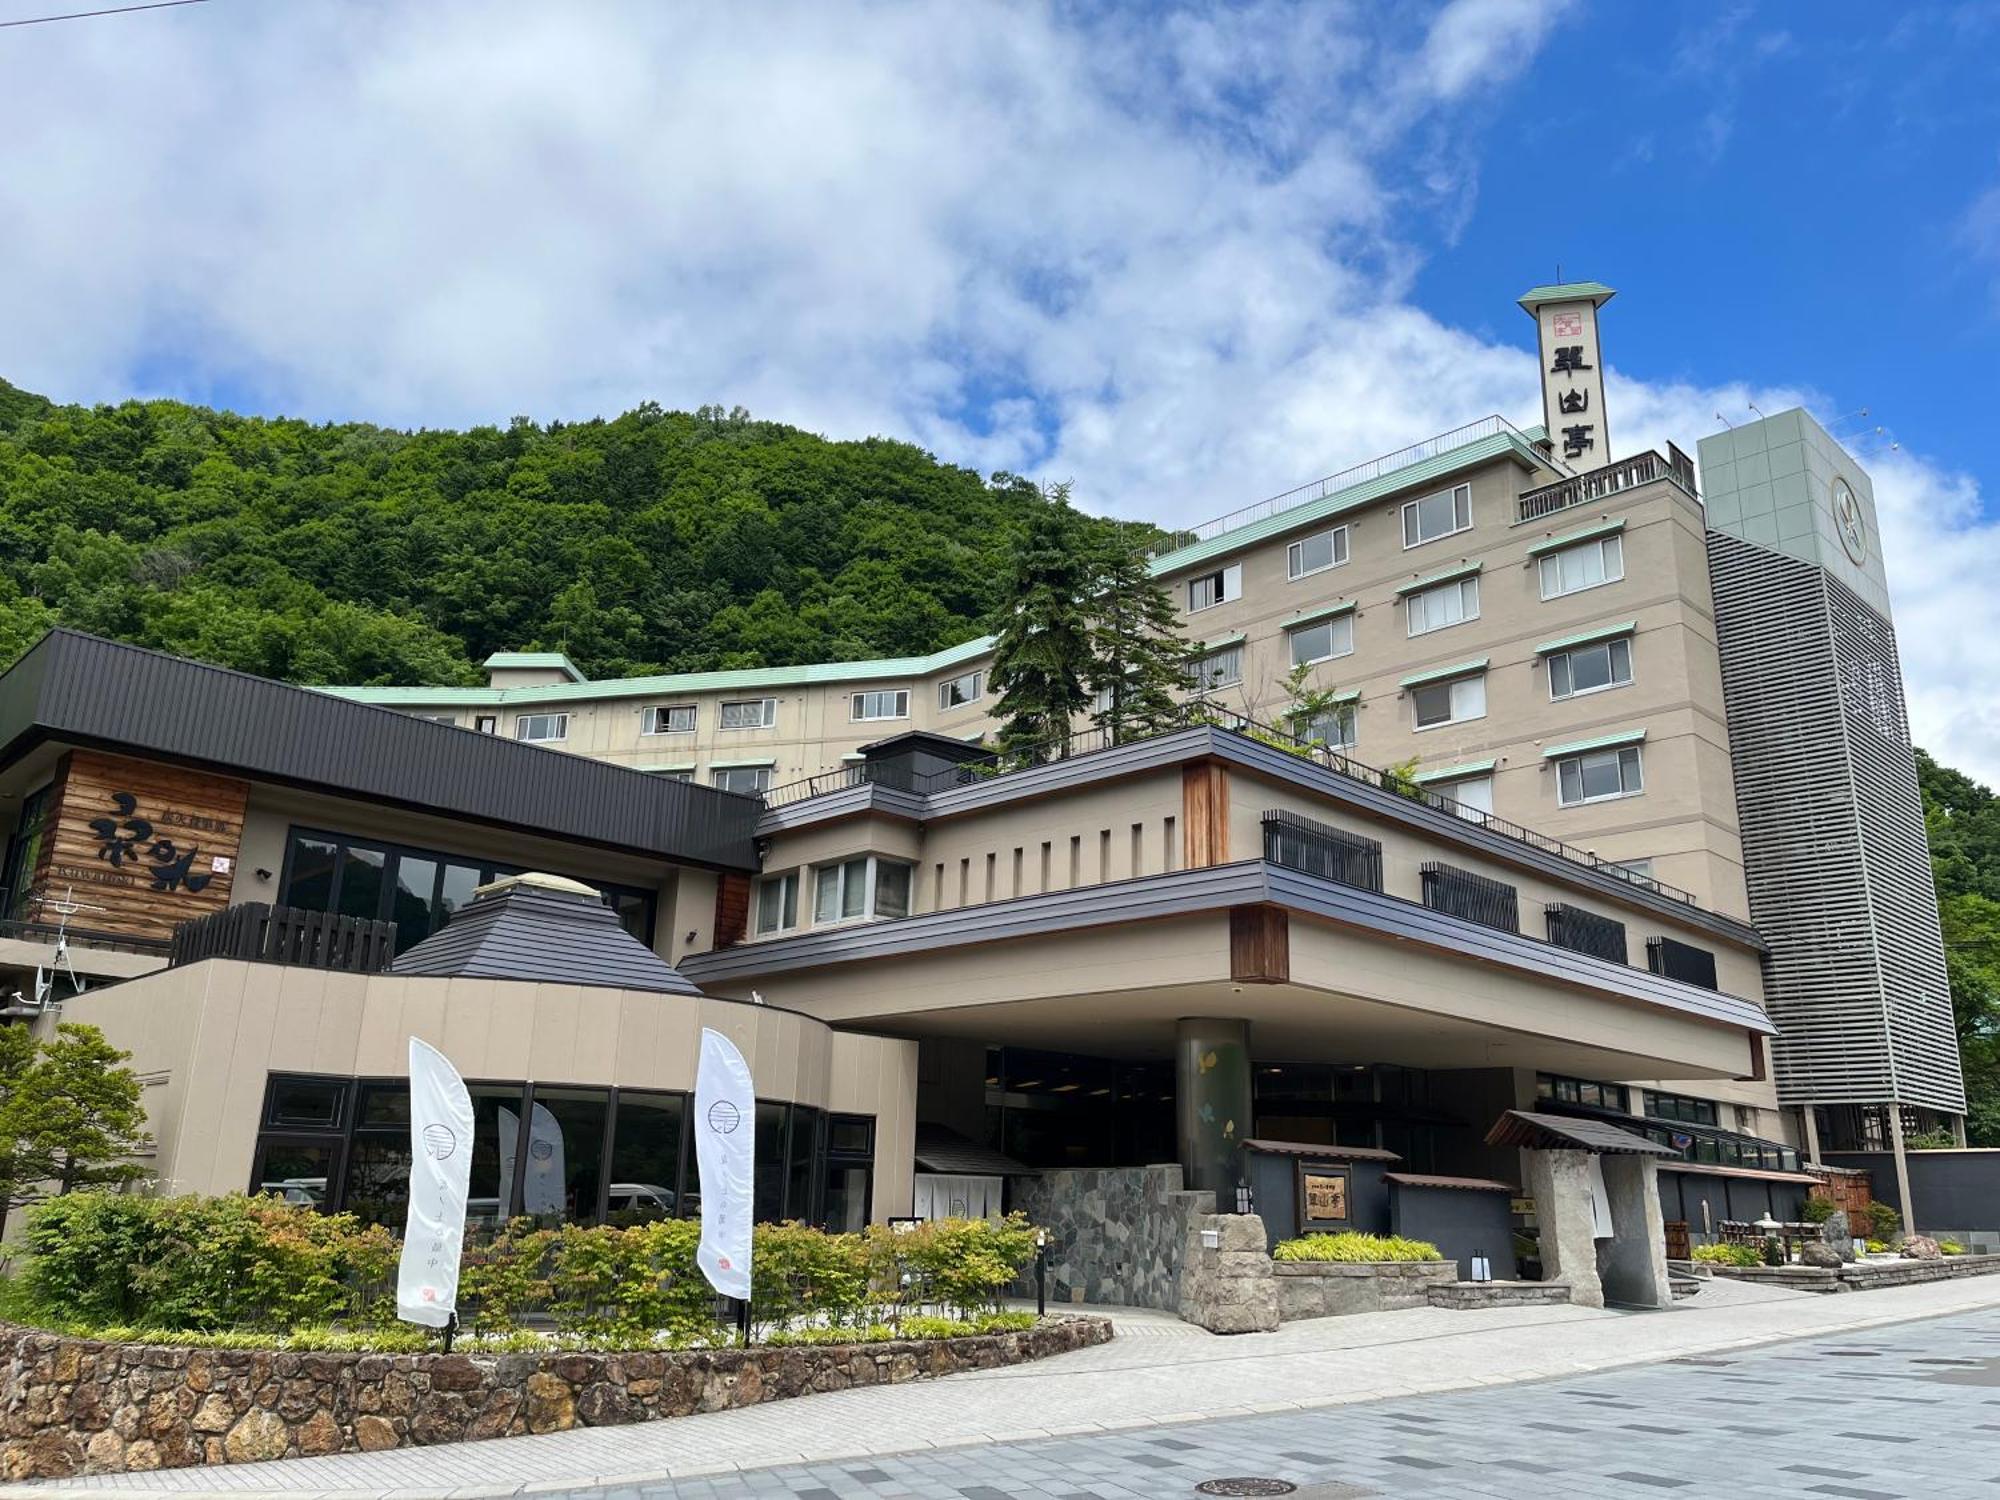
[1611,479]
[1476,898]
[1672,959]
[83,937]
[287,935]
[1583,931]
[1313,848]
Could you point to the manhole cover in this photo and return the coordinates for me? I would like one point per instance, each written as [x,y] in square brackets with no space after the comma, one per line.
[1245,1487]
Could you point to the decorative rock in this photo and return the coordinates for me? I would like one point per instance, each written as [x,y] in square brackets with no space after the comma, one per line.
[215,1414]
[319,1433]
[454,1372]
[551,1407]
[105,1453]
[1819,1255]
[258,1435]
[374,1434]
[1921,1247]
[142,1455]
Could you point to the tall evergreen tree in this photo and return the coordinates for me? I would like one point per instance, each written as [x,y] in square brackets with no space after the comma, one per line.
[71,1119]
[1042,657]
[1140,659]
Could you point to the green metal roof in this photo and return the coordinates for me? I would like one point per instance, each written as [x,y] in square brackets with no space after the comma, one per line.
[1453,773]
[1594,292]
[681,765]
[1602,742]
[1571,538]
[1585,637]
[742,762]
[1314,616]
[740,679]
[1438,674]
[1451,461]
[1352,695]
[1234,638]
[1463,570]
[533,661]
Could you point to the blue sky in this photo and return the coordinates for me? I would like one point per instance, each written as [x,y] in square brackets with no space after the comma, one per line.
[1182,256]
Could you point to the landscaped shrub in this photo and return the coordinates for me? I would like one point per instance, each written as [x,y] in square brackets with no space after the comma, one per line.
[1950,1247]
[1884,1222]
[1817,1210]
[962,1264]
[1728,1255]
[1352,1246]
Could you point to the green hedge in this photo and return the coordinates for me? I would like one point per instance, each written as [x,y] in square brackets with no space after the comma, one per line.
[239,1264]
[1352,1246]
[1728,1255]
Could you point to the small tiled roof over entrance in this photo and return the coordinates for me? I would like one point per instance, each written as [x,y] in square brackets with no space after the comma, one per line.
[1325,1153]
[944,1150]
[1462,1184]
[1520,1127]
[542,929]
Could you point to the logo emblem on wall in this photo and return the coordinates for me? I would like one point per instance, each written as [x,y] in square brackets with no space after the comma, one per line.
[129,836]
[1567,325]
[1847,516]
[439,1142]
[723,1117]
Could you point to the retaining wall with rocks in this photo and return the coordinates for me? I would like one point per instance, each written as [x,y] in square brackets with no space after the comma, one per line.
[1331,1288]
[77,1406]
[1863,1276]
[1116,1234]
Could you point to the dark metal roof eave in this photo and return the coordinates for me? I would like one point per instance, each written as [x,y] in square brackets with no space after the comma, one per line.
[80,689]
[1526,1128]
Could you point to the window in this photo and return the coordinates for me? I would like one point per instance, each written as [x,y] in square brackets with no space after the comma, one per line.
[1448,604]
[751,780]
[1583,931]
[887,704]
[539,728]
[1467,797]
[1437,515]
[850,1162]
[1683,1107]
[1581,1091]
[751,713]
[1335,728]
[865,887]
[1461,893]
[1583,567]
[1643,868]
[486,723]
[1590,669]
[1323,641]
[956,692]
[668,718]
[1316,553]
[1449,702]
[1219,587]
[1599,776]
[777,903]
[670,773]
[24,852]
[1222,668]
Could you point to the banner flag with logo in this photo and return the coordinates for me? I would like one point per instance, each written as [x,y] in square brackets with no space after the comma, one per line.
[544,1185]
[725,1122]
[440,1177]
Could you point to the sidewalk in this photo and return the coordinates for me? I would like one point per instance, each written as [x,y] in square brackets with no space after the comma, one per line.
[1139,1380]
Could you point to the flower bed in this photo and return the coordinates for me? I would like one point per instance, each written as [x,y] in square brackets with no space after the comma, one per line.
[85,1406]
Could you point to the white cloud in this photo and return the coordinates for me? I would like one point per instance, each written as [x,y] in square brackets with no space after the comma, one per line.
[1168,255]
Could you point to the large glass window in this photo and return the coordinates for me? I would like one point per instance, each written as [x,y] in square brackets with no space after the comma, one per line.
[563,1175]
[1449,702]
[773,1136]
[887,704]
[1222,668]
[413,898]
[646,1157]
[1588,669]
[1437,515]
[668,718]
[1448,604]
[1217,587]
[749,713]
[1583,567]
[362,883]
[1599,776]
[752,781]
[956,692]
[1322,641]
[24,852]
[1316,553]
[778,902]
[865,887]
[540,728]
[1583,1091]
[302,1172]
[1335,727]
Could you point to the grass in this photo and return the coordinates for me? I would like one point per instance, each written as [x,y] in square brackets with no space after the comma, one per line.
[1353,1248]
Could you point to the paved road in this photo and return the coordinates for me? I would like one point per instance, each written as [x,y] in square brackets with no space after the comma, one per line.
[1907,1412]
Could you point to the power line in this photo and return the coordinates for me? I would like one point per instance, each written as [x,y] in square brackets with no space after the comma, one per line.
[85,15]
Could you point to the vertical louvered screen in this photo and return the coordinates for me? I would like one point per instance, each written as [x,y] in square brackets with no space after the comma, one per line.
[1460,893]
[1683,961]
[1313,848]
[1583,931]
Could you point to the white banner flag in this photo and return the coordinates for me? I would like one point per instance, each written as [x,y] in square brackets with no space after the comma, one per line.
[544,1184]
[440,1176]
[725,1122]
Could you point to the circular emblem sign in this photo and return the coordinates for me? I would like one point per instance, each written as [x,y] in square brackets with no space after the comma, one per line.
[1847,516]
[439,1141]
[542,1150]
[723,1117]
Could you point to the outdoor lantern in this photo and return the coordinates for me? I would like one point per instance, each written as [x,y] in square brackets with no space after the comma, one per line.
[1482,1268]
[1245,1200]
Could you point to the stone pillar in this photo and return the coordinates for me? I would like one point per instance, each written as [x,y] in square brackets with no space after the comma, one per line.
[1211,1101]
[1559,1182]
[1635,1263]
[1809,1131]
[1228,1287]
[1907,1204]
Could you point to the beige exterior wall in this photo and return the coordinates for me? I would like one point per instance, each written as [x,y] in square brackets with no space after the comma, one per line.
[206,1037]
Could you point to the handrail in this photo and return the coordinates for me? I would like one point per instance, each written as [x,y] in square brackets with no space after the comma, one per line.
[1610,479]
[1202,714]
[85,937]
[1374,468]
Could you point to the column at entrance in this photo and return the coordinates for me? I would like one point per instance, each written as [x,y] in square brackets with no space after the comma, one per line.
[1211,1100]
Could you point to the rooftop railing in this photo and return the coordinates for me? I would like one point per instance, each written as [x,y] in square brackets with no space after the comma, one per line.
[1612,479]
[83,937]
[1319,489]
[1202,714]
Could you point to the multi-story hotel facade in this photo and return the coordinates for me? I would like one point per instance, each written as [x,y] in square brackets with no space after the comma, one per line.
[950,970]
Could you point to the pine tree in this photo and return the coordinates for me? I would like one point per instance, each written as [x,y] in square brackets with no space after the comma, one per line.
[72,1119]
[1140,659]
[1042,654]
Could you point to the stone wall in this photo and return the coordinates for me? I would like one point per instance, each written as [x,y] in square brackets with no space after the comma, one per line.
[1864,1276]
[1227,1287]
[75,1406]
[1116,1234]
[1470,1296]
[1331,1289]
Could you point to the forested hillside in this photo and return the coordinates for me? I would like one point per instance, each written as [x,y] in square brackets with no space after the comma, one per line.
[349,553]
[1964,822]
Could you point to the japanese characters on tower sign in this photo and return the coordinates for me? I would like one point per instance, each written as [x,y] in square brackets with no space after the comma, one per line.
[1573,382]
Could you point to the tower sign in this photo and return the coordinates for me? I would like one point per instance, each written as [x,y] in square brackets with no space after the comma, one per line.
[1572,369]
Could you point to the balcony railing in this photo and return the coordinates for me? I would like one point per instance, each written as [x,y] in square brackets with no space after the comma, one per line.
[1319,489]
[287,935]
[83,937]
[1201,714]
[1612,479]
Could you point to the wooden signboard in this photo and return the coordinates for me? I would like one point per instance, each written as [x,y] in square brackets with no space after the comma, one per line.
[1323,1197]
[144,847]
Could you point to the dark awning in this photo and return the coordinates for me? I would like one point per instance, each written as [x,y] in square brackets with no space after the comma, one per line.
[1328,1153]
[943,1150]
[1463,1184]
[1520,1127]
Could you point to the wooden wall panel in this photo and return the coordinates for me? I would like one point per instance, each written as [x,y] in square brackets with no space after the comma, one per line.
[143,846]
[1260,945]
[1205,814]
[732,910]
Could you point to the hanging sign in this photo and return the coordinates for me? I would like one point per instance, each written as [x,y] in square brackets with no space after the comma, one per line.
[725,1125]
[440,1177]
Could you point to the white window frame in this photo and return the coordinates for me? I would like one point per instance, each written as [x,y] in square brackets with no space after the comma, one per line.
[834,876]
[451,719]
[787,898]
[768,721]
[1346,718]
[1612,567]
[1567,658]
[1334,639]
[895,699]
[677,773]
[1203,672]
[1616,753]
[657,718]
[486,723]
[1337,549]
[953,692]
[522,721]
[1464,690]
[762,775]
[1216,586]
[1450,790]
[1464,590]
[1461,506]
